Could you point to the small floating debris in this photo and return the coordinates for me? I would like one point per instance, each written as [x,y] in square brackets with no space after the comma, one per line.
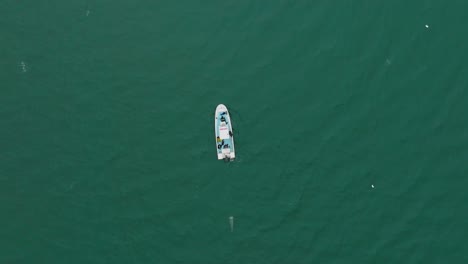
[23,66]
[231,223]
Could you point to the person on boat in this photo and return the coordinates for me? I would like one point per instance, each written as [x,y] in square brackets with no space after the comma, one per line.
[230,133]
[222,142]
[223,119]
[218,139]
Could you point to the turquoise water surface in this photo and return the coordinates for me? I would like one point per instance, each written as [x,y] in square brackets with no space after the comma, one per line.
[107,149]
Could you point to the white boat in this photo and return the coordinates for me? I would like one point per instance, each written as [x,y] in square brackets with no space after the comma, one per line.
[224,136]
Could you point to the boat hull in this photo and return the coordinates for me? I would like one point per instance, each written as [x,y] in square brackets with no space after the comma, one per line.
[223,134]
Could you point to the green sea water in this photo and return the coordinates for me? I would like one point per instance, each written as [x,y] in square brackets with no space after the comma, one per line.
[107,148]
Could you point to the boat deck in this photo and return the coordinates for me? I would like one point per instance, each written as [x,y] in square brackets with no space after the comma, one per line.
[224,140]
